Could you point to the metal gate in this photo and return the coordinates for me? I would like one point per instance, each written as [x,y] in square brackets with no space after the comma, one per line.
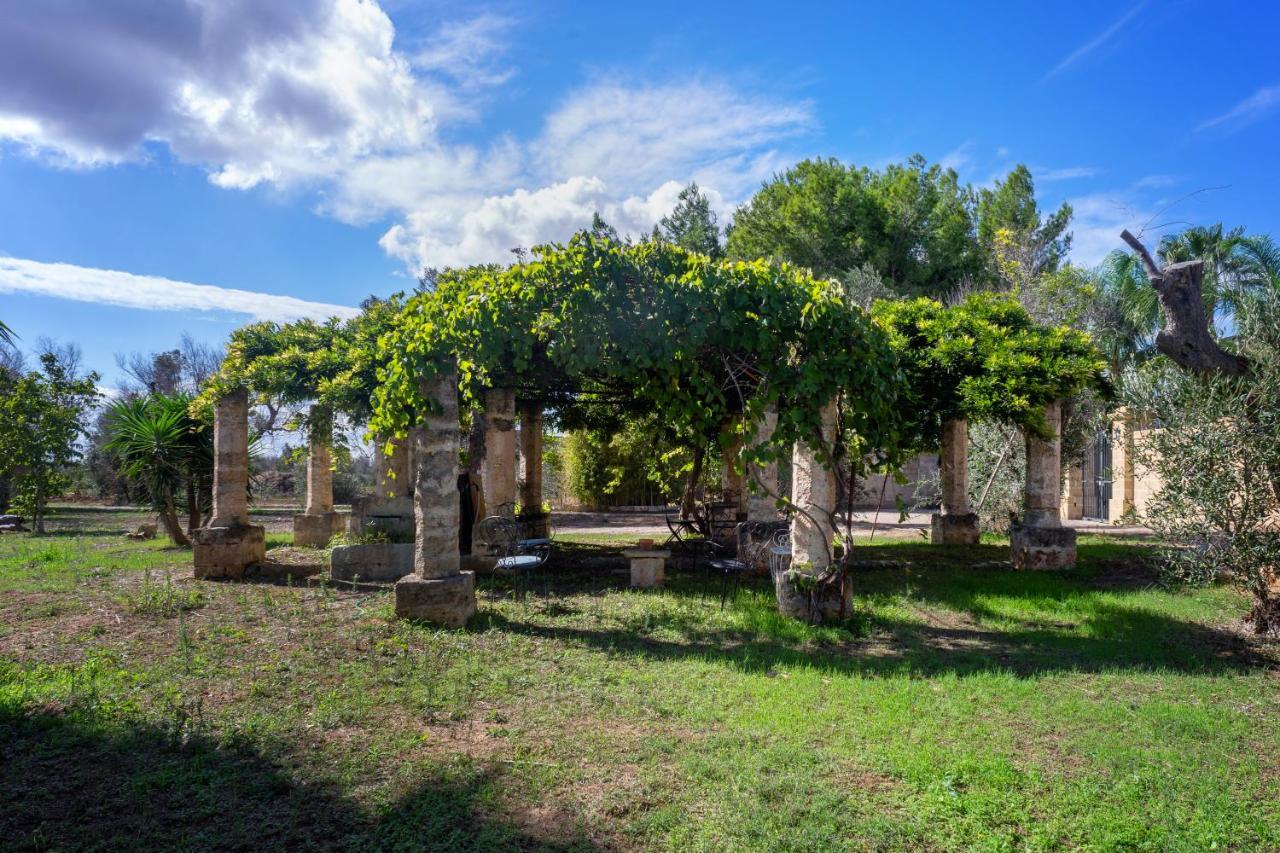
[1095,478]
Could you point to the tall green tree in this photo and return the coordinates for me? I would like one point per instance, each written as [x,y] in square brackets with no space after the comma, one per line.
[1009,215]
[912,224]
[692,224]
[43,415]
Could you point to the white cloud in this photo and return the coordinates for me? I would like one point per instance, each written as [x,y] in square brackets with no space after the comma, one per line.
[319,93]
[958,158]
[635,138]
[152,293]
[1258,105]
[1096,42]
[468,51]
[1098,221]
[1069,173]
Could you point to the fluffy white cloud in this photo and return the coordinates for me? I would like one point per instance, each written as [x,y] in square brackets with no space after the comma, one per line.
[636,138]
[151,293]
[320,93]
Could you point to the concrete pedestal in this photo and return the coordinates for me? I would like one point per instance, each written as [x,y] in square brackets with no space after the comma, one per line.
[648,567]
[1042,547]
[448,601]
[314,530]
[378,562]
[954,529]
[225,552]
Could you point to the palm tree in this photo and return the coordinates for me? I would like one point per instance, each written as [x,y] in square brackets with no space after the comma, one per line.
[1126,314]
[160,444]
[1233,271]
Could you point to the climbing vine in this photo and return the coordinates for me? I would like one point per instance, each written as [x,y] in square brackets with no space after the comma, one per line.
[700,341]
[985,360]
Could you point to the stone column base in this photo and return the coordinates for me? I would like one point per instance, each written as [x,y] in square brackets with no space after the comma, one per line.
[448,601]
[375,562]
[225,552]
[1043,547]
[802,597]
[954,529]
[315,530]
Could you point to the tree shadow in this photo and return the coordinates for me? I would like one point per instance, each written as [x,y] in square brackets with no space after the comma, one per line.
[955,629]
[74,781]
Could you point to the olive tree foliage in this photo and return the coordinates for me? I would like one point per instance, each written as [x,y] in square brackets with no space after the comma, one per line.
[43,416]
[702,342]
[912,224]
[1213,408]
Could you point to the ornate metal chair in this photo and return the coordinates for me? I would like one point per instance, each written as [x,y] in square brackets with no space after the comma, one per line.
[733,569]
[514,555]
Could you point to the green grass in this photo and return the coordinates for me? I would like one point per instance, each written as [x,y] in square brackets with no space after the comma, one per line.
[963,706]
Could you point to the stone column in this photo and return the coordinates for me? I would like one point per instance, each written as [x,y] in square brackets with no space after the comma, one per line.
[318,522]
[955,524]
[760,505]
[438,591]
[499,473]
[813,490]
[392,474]
[531,455]
[229,544]
[735,492]
[1040,541]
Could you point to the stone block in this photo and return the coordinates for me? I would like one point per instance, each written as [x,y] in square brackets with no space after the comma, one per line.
[378,562]
[448,601]
[1038,548]
[648,567]
[954,529]
[314,530]
[226,552]
[392,516]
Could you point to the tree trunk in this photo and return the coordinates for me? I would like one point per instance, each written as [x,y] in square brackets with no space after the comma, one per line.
[689,502]
[169,518]
[37,511]
[193,506]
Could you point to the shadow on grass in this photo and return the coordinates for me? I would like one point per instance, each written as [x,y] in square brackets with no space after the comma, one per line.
[73,782]
[1072,620]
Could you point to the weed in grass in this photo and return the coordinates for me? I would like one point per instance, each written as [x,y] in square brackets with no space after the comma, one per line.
[162,600]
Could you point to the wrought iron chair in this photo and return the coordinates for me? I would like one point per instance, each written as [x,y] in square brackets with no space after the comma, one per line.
[515,555]
[733,569]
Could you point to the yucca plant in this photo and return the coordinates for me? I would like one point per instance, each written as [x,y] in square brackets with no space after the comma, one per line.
[162,446]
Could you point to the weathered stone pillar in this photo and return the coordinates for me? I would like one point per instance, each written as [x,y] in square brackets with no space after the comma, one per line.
[813,491]
[318,522]
[531,456]
[1040,541]
[229,544]
[762,506]
[438,591]
[955,524]
[730,459]
[389,510]
[499,472]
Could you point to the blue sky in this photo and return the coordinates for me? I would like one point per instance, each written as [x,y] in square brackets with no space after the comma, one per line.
[191,166]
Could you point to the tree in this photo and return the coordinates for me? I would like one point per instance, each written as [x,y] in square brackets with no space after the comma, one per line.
[913,224]
[162,446]
[1218,419]
[692,224]
[42,416]
[1008,214]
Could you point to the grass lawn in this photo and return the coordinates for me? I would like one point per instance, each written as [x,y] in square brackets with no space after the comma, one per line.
[965,706]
